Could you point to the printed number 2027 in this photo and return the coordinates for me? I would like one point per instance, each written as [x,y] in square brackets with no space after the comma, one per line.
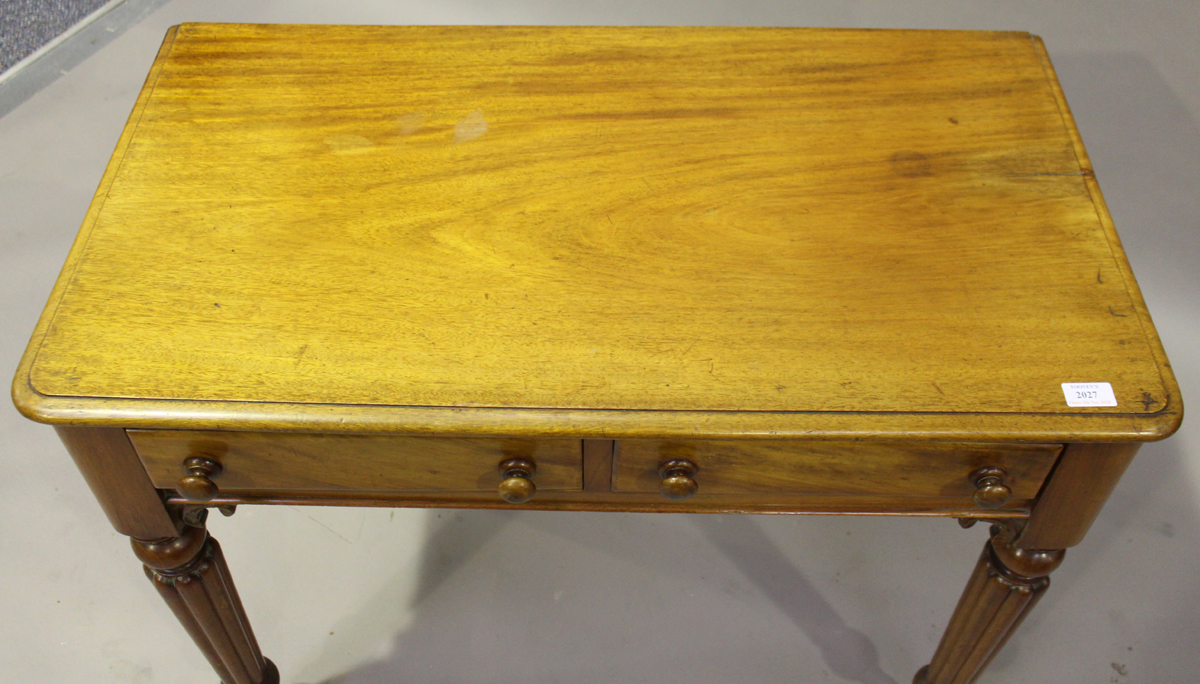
[1085,394]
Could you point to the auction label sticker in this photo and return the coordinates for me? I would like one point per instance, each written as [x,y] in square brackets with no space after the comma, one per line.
[1089,394]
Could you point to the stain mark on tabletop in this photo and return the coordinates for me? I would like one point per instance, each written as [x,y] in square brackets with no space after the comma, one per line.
[410,123]
[911,164]
[651,114]
[953,120]
[349,144]
[1147,400]
[472,127]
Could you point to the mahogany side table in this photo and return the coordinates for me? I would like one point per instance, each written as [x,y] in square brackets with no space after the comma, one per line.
[702,270]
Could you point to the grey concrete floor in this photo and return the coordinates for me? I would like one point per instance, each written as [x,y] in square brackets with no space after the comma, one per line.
[373,596]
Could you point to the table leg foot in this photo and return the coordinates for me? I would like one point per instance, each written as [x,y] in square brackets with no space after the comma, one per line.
[1005,585]
[190,573]
[270,672]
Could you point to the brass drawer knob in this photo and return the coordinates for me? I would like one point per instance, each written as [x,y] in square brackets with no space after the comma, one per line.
[678,479]
[196,485]
[990,490]
[517,486]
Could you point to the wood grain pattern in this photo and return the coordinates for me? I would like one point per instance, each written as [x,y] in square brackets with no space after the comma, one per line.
[997,599]
[598,465]
[191,575]
[1170,404]
[485,221]
[112,470]
[262,461]
[1082,481]
[637,502]
[835,468]
[593,423]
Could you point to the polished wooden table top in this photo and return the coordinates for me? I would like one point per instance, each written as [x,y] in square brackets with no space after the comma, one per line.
[600,232]
[627,269]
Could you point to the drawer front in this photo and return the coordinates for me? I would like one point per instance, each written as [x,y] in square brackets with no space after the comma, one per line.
[835,468]
[253,461]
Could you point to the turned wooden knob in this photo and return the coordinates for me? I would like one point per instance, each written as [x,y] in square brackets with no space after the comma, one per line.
[517,486]
[990,490]
[678,479]
[196,485]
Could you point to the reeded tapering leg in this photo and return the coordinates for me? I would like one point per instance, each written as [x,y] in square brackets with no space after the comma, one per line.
[190,573]
[1005,585]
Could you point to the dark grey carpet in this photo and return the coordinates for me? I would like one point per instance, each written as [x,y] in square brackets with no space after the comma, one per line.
[26,25]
